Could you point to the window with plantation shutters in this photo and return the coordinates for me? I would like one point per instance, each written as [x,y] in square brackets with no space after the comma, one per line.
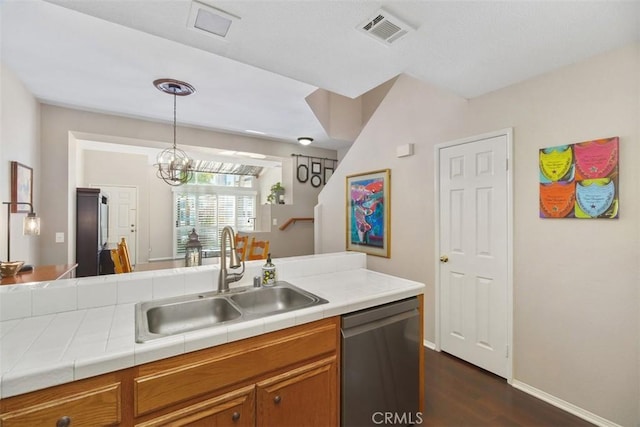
[208,209]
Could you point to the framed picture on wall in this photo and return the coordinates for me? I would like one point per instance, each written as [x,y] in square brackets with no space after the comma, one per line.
[21,187]
[368,212]
[316,168]
[327,174]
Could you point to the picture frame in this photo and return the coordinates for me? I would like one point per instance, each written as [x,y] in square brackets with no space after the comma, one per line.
[21,187]
[328,172]
[316,181]
[316,168]
[368,204]
[580,180]
[302,173]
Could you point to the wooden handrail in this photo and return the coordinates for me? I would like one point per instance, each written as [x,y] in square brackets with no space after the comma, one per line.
[292,220]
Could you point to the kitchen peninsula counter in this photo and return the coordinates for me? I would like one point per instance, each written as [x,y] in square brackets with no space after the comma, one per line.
[42,273]
[86,327]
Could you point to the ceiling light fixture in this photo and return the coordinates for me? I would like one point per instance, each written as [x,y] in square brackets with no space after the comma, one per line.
[305,140]
[174,165]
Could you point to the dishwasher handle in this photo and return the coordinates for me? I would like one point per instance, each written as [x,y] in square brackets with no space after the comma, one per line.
[380,312]
[375,324]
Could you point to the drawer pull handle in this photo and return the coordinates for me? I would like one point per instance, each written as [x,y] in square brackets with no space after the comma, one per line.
[277,400]
[63,421]
[235,416]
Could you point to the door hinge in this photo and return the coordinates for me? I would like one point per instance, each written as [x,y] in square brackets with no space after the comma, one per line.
[506,164]
[507,352]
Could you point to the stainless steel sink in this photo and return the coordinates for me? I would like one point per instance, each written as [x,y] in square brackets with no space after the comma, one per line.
[276,299]
[189,315]
[171,316]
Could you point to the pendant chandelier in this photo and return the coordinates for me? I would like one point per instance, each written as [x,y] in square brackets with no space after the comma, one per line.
[174,165]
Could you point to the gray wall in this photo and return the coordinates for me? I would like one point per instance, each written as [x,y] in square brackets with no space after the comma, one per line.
[19,141]
[62,126]
[576,303]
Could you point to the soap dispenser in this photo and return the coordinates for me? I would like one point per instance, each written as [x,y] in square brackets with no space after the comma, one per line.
[268,272]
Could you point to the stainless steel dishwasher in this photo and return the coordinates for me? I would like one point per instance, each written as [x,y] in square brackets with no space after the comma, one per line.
[380,365]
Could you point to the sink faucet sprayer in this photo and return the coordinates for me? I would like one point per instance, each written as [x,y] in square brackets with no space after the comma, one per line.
[224,278]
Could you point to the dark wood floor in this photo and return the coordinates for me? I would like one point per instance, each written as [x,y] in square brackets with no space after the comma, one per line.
[460,394]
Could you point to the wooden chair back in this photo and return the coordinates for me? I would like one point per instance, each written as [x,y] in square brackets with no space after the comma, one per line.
[242,244]
[258,249]
[120,258]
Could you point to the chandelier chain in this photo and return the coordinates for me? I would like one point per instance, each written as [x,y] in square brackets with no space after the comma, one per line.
[174,120]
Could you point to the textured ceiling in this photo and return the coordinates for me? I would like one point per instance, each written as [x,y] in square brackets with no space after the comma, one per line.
[103,55]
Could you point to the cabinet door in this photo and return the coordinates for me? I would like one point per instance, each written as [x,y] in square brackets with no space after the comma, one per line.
[236,408]
[306,396]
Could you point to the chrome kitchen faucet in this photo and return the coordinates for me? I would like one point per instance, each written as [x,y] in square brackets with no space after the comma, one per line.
[224,278]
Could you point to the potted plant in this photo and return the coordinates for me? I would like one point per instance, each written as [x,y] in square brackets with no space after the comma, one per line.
[277,194]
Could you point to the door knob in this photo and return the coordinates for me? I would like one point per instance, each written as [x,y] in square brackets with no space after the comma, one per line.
[444,258]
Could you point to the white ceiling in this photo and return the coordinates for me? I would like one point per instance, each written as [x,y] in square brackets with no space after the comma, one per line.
[102,55]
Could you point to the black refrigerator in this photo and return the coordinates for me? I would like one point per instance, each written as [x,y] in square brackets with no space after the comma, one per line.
[92,230]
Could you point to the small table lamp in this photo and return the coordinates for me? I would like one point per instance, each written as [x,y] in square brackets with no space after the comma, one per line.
[30,227]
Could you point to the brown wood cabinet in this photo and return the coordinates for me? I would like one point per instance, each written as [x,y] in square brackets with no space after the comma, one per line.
[287,377]
[306,396]
[236,408]
[299,360]
[93,402]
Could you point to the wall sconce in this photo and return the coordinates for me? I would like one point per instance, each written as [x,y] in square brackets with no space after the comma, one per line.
[30,226]
[305,140]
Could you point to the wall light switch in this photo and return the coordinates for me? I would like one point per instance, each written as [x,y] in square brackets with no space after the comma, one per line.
[275,221]
[59,237]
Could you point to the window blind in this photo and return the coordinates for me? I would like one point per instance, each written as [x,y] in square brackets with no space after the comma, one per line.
[209,213]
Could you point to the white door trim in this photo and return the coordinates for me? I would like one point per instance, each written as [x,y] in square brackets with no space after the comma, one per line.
[508,133]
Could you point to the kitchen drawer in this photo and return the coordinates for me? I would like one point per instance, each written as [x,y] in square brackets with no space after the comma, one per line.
[93,407]
[236,408]
[160,384]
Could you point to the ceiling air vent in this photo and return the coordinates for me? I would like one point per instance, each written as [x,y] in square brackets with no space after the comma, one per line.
[385,27]
[209,20]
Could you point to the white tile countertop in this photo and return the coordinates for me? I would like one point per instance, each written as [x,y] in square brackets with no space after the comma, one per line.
[57,332]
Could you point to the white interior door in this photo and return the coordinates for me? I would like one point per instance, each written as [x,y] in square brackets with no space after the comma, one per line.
[123,208]
[474,223]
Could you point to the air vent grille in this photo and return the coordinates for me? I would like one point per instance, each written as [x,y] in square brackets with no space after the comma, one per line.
[209,20]
[385,27]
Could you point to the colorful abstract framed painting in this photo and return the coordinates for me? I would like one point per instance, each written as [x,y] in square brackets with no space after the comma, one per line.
[580,180]
[368,212]
[21,187]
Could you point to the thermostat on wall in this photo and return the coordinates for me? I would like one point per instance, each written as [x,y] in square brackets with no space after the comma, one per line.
[404,150]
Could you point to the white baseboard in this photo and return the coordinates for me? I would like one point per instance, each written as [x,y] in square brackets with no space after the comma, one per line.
[565,406]
[429,345]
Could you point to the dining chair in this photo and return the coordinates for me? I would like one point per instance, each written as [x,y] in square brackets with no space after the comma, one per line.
[242,243]
[120,258]
[259,249]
